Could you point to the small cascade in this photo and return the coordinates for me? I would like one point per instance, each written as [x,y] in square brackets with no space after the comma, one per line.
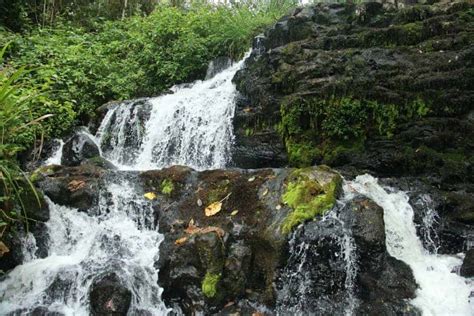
[191,126]
[117,237]
[55,158]
[441,291]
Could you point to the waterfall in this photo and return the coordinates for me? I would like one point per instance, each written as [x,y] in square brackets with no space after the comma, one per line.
[55,158]
[191,126]
[441,291]
[119,236]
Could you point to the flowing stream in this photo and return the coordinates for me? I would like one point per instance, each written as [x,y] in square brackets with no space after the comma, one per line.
[191,126]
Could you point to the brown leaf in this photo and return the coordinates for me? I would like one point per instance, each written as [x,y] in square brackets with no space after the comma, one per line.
[258,314]
[75,185]
[213,208]
[191,230]
[3,249]
[180,241]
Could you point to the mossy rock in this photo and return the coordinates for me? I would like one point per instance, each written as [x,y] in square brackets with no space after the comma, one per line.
[310,193]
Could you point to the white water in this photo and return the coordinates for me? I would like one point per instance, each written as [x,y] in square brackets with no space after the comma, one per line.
[441,291]
[117,237]
[55,158]
[192,127]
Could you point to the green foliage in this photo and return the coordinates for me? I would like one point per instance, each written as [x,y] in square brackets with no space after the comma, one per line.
[134,57]
[18,127]
[311,126]
[167,187]
[308,198]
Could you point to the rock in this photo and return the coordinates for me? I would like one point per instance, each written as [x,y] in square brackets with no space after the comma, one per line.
[108,296]
[78,148]
[320,277]
[75,187]
[205,262]
[467,268]
[336,58]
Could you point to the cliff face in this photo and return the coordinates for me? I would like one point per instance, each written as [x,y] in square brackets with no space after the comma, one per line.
[367,88]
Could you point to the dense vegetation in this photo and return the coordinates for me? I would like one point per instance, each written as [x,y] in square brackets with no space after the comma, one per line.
[63,59]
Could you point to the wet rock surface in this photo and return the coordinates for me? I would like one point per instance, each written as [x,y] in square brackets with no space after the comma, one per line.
[78,148]
[109,297]
[341,264]
[368,88]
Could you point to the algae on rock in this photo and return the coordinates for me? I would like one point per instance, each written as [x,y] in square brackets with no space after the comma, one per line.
[310,193]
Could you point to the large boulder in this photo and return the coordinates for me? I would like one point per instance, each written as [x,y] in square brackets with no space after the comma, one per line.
[207,262]
[341,264]
[78,148]
[75,187]
[109,297]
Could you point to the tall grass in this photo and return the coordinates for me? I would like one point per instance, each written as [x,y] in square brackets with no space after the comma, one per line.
[15,119]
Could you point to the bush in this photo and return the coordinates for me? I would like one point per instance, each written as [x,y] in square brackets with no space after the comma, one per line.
[134,57]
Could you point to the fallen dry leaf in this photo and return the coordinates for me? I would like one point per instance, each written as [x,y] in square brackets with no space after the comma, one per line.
[213,208]
[278,207]
[75,185]
[234,212]
[199,202]
[3,249]
[251,179]
[258,314]
[265,192]
[191,230]
[150,195]
[247,110]
[180,241]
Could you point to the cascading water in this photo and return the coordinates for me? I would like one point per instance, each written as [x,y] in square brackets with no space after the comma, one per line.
[116,237]
[301,291]
[441,291]
[193,127]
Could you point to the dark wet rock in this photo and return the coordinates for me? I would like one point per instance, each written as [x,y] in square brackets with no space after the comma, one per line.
[78,148]
[108,296]
[14,256]
[317,278]
[207,262]
[467,268]
[100,162]
[36,156]
[75,187]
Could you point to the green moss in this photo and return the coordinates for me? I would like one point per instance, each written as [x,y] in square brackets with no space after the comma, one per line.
[167,187]
[44,170]
[308,199]
[249,132]
[209,284]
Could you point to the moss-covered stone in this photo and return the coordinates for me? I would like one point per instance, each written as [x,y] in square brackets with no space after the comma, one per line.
[209,284]
[309,196]
[167,187]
